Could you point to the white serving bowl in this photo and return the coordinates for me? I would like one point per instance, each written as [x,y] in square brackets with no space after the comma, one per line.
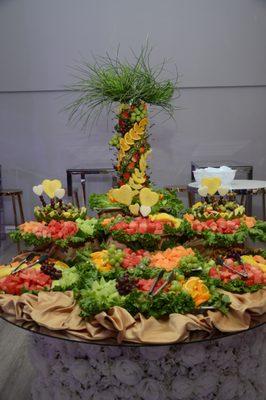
[226,174]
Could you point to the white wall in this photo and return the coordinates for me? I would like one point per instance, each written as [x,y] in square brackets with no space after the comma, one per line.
[218,45]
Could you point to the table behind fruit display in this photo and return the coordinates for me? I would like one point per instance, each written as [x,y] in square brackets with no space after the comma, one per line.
[219,367]
[82,172]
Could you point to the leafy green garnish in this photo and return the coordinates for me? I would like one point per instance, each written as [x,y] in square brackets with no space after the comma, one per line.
[169,203]
[160,305]
[143,273]
[234,286]
[87,226]
[258,232]
[68,280]
[101,201]
[88,273]
[225,239]
[82,255]
[191,265]
[220,302]
[100,296]
[29,238]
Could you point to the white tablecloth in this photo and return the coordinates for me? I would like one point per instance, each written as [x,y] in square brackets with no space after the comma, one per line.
[240,184]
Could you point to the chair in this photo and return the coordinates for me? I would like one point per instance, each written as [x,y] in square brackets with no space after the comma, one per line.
[16,198]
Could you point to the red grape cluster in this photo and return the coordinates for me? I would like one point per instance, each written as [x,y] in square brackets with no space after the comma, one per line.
[50,270]
[125,284]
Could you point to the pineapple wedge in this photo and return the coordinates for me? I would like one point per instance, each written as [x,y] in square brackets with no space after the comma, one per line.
[252,261]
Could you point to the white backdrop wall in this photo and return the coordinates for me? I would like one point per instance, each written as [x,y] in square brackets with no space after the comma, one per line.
[218,45]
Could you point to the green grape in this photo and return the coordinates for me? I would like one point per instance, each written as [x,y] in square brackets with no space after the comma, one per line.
[175,286]
[115,256]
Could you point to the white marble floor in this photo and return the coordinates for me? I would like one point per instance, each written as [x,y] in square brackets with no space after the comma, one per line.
[16,371]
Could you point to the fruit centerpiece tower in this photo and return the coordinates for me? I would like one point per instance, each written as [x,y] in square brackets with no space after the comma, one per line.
[133,86]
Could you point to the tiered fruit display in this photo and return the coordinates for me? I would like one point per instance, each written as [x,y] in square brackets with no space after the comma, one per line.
[143,259]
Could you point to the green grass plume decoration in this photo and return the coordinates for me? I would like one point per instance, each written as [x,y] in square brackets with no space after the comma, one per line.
[109,80]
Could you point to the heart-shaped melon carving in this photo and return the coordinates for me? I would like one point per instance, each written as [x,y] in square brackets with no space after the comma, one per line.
[212,184]
[145,210]
[203,191]
[38,190]
[223,190]
[148,197]
[50,186]
[134,209]
[123,195]
[59,193]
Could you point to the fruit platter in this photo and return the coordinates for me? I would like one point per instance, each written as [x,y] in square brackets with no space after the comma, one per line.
[145,269]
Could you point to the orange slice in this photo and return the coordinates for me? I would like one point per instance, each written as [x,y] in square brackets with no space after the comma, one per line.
[124,146]
[128,139]
[143,122]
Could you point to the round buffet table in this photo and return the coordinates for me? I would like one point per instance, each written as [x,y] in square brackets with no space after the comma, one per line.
[228,367]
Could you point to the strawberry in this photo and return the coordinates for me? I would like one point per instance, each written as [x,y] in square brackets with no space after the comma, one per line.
[135,157]
[125,114]
[131,166]
[126,176]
